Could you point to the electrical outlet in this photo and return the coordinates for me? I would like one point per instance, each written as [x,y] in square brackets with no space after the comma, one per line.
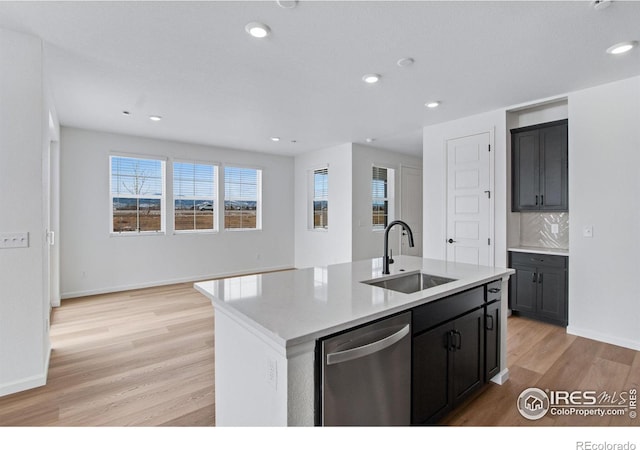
[14,240]
[555,228]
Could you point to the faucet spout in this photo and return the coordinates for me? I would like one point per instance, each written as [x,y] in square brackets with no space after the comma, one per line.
[386,259]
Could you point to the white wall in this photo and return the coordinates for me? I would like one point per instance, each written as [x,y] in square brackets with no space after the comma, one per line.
[333,245]
[24,346]
[93,261]
[366,242]
[434,180]
[604,191]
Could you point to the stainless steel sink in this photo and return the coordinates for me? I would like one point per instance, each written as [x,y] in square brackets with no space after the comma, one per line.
[409,282]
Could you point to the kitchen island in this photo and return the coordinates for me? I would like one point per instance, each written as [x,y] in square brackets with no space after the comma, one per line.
[266,327]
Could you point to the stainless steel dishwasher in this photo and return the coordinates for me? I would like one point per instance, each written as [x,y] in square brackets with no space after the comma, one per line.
[366,374]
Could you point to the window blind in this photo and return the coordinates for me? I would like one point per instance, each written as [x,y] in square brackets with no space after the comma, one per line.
[194,194]
[242,192]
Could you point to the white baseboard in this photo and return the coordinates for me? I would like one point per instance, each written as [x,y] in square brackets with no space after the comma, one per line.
[602,337]
[25,383]
[501,377]
[121,288]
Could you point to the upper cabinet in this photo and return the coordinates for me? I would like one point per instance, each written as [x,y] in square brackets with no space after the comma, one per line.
[540,167]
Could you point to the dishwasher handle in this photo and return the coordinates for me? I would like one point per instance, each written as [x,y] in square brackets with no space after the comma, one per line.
[368,349]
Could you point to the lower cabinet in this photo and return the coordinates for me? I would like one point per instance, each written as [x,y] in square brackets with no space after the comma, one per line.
[539,287]
[452,360]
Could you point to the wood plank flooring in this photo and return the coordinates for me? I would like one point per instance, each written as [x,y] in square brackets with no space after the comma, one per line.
[137,358]
[145,358]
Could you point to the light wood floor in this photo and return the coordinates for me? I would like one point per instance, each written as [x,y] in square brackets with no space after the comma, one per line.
[145,358]
[137,358]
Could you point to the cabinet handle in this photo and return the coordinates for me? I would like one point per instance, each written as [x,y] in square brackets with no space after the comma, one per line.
[540,278]
[487,326]
[536,200]
[494,290]
[542,199]
[534,279]
[459,339]
[450,346]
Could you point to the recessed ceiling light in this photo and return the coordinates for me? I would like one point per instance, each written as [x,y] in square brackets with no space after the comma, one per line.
[371,78]
[257,29]
[287,4]
[622,47]
[275,139]
[432,104]
[405,62]
[155,118]
[601,4]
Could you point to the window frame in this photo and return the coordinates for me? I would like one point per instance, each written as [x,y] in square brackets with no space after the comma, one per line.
[389,198]
[313,198]
[259,204]
[216,195]
[162,197]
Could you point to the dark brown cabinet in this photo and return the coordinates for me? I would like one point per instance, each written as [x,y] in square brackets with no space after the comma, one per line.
[539,287]
[540,167]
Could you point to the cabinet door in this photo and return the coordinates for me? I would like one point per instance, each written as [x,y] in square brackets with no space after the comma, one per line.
[554,168]
[468,354]
[525,281]
[552,296]
[492,340]
[526,170]
[430,381]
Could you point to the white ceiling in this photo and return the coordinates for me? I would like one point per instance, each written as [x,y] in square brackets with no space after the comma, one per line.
[193,64]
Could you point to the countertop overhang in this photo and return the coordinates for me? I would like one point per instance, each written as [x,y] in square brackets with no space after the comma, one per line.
[540,250]
[296,307]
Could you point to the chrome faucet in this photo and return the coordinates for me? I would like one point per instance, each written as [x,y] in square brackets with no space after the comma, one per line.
[386,260]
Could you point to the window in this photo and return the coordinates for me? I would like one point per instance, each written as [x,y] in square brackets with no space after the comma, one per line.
[242,198]
[194,196]
[382,196]
[137,194]
[320,198]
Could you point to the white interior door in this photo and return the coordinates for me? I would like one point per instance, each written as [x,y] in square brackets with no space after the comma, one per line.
[411,208]
[469,200]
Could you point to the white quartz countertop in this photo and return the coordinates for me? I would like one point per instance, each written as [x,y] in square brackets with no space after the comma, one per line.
[540,250]
[298,306]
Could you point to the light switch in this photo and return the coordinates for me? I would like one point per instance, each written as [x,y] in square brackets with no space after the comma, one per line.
[587,231]
[14,240]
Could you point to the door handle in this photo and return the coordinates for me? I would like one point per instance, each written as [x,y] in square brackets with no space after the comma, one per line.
[451,241]
[367,349]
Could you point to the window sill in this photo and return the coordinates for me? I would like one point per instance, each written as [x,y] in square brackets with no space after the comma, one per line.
[234,230]
[183,232]
[137,233]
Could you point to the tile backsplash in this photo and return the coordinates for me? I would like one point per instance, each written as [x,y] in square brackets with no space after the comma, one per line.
[536,230]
